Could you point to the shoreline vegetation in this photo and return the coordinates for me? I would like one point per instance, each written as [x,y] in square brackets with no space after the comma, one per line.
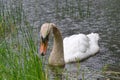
[19,59]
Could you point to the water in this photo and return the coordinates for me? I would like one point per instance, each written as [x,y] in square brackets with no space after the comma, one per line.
[100,16]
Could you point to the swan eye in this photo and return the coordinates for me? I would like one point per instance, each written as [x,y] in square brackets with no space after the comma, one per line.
[44,40]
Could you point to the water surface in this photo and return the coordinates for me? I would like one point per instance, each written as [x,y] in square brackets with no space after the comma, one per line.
[82,16]
[100,16]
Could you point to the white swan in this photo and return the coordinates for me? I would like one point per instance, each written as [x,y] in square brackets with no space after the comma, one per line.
[74,48]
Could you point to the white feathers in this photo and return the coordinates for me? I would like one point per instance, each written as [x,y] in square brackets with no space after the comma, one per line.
[79,47]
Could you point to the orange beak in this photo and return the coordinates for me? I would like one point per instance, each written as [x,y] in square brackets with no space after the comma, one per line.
[43,48]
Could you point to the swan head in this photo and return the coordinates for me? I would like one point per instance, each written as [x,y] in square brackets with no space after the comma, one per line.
[44,37]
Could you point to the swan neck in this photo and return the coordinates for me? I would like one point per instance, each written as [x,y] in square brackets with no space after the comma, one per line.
[58,42]
[57,54]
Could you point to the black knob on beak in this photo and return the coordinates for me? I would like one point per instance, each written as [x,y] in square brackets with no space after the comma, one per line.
[42,54]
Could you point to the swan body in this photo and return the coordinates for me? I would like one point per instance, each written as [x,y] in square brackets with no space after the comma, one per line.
[74,48]
[80,46]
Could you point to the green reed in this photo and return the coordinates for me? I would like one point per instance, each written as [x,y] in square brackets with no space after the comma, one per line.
[19,59]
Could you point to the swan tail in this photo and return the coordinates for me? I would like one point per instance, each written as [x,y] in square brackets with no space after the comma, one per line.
[93,36]
[94,47]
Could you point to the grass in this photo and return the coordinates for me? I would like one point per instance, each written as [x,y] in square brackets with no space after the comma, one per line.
[23,65]
[19,59]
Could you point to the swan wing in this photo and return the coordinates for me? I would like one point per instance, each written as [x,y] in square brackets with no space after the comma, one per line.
[75,46]
[79,47]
